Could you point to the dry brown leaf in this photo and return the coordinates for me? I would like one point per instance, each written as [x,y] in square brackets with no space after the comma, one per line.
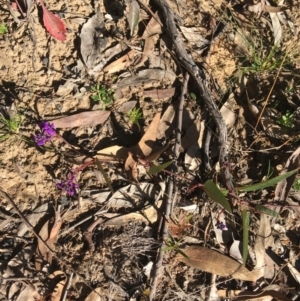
[157,151]
[113,153]
[277,29]
[271,290]
[60,279]
[95,295]
[263,240]
[275,9]
[284,186]
[191,135]
[227,112]
[35,216]
[29,293]
[153,27]
[121,63]
[127,106]
[90,51]
[160,94]
[194,36]
[42,251]
[148,140]
[166,124]
[144,148]
[91,118]
[214,262]
[133,16]
[56,227]
[148,78]
[132,196]
[151,35]
[149,47]
[148,215]
[50,236]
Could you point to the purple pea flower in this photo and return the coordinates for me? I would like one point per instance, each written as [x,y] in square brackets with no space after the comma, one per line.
[46,134]
[68,185]
[220,225]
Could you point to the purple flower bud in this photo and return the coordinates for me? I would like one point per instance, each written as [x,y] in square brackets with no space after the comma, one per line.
[221,226]
[46,134]
[68,185]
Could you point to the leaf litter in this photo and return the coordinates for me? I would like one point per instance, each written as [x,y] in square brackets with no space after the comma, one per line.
[122,211]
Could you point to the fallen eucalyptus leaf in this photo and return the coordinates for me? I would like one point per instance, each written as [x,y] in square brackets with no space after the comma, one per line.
[96,295]
[132,196]
[91,118]
[133,16]
[91,41]
[214,262]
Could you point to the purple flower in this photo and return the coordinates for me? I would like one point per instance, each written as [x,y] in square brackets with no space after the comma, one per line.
[46,134]
[221,226]
[68,185]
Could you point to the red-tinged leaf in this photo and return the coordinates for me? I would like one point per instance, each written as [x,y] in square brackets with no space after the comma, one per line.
[54,25]
[90,118]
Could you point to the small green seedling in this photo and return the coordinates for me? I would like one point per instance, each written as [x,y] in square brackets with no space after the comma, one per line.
[9,126]
[287,119]
[3,28]
[260,60]
[134,116]
[296,184]
[193,96]
[103,95]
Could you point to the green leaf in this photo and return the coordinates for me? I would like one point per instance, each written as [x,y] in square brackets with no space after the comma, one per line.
[216,194]
[265,210]
[107,180]
[156,169]
[246,222]
[268,183]
[193,96]
[183,254]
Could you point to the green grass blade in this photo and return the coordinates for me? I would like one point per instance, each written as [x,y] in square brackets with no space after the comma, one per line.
[265,210]
[216,194]
[183,254]
[107,180]
[156,169]
[268,183]
[246,222]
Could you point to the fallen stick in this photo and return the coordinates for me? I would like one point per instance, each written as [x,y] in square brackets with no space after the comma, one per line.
[198,76]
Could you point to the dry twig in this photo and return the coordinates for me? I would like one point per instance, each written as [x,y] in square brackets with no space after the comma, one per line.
[186,61]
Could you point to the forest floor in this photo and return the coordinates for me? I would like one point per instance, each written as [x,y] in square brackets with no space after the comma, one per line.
[121,179]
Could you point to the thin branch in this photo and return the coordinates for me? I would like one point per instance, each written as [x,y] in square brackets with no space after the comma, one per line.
[68,285]
[186,61]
